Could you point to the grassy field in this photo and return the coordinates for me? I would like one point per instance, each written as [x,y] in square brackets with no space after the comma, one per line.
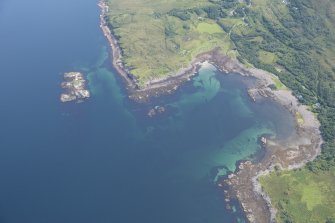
[302,196]
[279,85]
[156,43]
[210,28]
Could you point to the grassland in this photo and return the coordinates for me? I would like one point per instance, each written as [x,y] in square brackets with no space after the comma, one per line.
[279,85]
[302,196]
[155,42]
[210,28]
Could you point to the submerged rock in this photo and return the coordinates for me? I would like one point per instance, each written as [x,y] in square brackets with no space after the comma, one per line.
[156,110]
[74,86]
[263,140]
[152,112]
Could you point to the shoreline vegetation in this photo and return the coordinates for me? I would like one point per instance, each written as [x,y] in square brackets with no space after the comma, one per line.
[156,87]
[293,153]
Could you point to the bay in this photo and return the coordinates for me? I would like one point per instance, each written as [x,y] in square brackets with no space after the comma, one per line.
[105,160]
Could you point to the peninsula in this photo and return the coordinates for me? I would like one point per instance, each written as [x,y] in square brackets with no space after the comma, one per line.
[157,45]
[74,87]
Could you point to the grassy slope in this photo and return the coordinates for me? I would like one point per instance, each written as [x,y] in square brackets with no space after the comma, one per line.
[296,42]
[156,44]
[302,196]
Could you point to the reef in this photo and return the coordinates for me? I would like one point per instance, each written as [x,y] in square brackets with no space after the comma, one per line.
[74,86]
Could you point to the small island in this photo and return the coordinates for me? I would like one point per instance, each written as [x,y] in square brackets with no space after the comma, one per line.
[74,87]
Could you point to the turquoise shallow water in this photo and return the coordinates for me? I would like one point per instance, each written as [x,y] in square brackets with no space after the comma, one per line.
[104,160]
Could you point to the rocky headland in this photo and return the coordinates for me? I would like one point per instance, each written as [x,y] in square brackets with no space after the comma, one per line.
[155,87]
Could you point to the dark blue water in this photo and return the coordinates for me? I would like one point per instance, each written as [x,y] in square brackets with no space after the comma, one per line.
[104,160]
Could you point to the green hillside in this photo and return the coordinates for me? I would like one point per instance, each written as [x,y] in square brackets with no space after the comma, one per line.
[302,196]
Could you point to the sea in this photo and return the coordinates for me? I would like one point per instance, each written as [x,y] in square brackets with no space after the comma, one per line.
[105,160]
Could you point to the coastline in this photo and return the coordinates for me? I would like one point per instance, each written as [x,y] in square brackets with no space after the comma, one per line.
[288,154]
[155,87]
[291,153]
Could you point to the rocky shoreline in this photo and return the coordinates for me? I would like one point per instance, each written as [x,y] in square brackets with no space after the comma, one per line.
[165,85]
[155,87]
[292,153]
